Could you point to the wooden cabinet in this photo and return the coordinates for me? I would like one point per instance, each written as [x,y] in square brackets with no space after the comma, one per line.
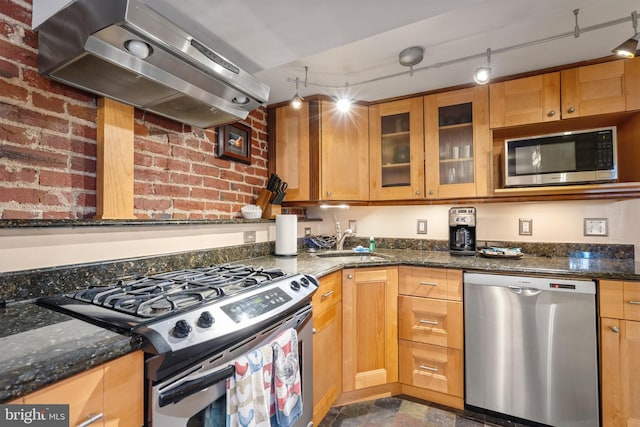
[370,327]
[114,390]
[620,353]
[344,147]
[430,331]
[327,344]
[397,153]
[292,150]
[322,153]
[609,87]
[457,144]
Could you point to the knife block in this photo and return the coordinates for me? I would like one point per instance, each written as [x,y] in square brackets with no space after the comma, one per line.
[271,211]
[263,200]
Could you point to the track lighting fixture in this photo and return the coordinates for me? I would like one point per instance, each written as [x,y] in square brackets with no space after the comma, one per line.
[296,101]
[629,48]
[483,74]
[413,55]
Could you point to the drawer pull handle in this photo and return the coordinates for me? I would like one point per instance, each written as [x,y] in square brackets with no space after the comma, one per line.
[429,283]
[429,322]
[615,329]
[634,302]
[429,368]
[91,420]
[327,295]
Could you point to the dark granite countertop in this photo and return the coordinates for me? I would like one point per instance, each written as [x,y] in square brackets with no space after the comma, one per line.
[41,347]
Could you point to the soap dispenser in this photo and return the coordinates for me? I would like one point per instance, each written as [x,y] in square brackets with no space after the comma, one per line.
[372,244]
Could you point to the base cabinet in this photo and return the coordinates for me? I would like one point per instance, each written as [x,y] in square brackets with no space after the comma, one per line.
[620,353]
[114,390]
[370,327]
[431,357]
[327,345]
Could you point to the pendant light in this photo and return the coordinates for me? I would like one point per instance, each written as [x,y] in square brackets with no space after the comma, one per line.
[628,49]
[296,101]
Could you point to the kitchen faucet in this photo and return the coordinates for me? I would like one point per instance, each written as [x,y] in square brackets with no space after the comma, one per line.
[340,236]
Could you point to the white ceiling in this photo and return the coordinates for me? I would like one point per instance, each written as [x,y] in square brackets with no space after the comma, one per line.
[350,41]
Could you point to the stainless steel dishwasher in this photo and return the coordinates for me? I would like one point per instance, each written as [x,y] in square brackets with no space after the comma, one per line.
[531,348]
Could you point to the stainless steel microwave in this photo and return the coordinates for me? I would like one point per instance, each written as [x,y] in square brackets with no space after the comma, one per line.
[586,156]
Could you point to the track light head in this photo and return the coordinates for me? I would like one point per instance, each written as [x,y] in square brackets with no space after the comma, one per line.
[296,101]
[482,75]
[629,48]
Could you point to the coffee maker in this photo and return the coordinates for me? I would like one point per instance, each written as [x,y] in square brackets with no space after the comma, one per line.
[462,231]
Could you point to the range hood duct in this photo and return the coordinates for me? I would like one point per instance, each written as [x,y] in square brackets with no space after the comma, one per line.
[85,45]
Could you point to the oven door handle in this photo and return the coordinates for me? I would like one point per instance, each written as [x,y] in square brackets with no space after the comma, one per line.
[188,388]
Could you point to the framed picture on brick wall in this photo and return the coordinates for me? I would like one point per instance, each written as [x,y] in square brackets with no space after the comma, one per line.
[234,142]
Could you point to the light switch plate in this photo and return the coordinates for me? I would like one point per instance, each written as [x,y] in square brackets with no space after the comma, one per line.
[353,225]
[307,232]
[596,227]
[422,226]
[525,227]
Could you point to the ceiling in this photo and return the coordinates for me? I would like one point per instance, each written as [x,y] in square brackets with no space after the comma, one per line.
[345,42]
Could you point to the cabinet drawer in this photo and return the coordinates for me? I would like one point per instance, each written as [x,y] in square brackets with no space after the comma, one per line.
[431,367]
[329,292]
[620,300]
[431,282]
[430,321]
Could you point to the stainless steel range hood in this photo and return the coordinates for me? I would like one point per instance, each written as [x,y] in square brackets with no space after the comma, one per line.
[88,45]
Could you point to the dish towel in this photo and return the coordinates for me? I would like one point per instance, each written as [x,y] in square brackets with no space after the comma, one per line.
[249,389]
[286,394]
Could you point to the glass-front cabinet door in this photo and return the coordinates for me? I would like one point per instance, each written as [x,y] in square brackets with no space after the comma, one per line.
[396,150]
[457,143]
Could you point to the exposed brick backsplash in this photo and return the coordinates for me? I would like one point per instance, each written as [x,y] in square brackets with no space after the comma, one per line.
[48,147]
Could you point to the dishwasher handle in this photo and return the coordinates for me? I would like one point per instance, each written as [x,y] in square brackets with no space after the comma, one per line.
[527,292]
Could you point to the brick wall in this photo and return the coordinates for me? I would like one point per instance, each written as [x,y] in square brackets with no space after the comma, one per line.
[48,147]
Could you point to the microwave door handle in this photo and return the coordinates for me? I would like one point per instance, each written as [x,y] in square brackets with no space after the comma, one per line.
[188,388]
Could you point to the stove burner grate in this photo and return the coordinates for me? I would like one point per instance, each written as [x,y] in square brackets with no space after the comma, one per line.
[151,296]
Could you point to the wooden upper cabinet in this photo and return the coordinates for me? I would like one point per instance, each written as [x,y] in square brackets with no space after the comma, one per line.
[609,87]
[397,150]
[344,148]
[292,151]
[522,101]
[457,143]
[593,89]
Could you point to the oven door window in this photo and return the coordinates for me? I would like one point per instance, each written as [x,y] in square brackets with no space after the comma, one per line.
[213,415]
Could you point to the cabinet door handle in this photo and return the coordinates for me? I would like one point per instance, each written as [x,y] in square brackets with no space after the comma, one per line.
[349,276]
[91,420]
[327,295]
[417,192]
[571,109]
[428,283]
[551,113]
[634,302]
[428,368]
[429,322]
[615,329]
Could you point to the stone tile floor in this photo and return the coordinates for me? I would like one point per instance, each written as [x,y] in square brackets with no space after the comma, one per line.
[403,411]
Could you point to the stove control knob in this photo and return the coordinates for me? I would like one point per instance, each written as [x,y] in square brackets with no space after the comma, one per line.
[206,320]
[295,285]
[181,329]
[304,282]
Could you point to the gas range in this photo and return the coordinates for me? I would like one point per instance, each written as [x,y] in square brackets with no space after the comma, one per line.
[176,311]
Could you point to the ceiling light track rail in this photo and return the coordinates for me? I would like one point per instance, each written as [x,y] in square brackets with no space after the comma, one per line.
[576,32]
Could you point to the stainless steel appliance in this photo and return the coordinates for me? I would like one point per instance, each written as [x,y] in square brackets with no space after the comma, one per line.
[462,231]
[124,49]
[193,324]
[562,158]
[531,348]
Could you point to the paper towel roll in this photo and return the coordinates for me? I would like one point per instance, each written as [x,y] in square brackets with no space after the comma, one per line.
[286,235]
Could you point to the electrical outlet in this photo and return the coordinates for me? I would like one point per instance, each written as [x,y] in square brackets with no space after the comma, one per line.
[249,237]
[353,225]
[422,226]
[307,232]
[525,227]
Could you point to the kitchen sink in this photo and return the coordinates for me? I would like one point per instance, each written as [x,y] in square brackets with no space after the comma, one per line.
[352,256]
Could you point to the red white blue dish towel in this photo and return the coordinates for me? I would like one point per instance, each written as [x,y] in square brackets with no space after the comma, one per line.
[249,390]
[286,390]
